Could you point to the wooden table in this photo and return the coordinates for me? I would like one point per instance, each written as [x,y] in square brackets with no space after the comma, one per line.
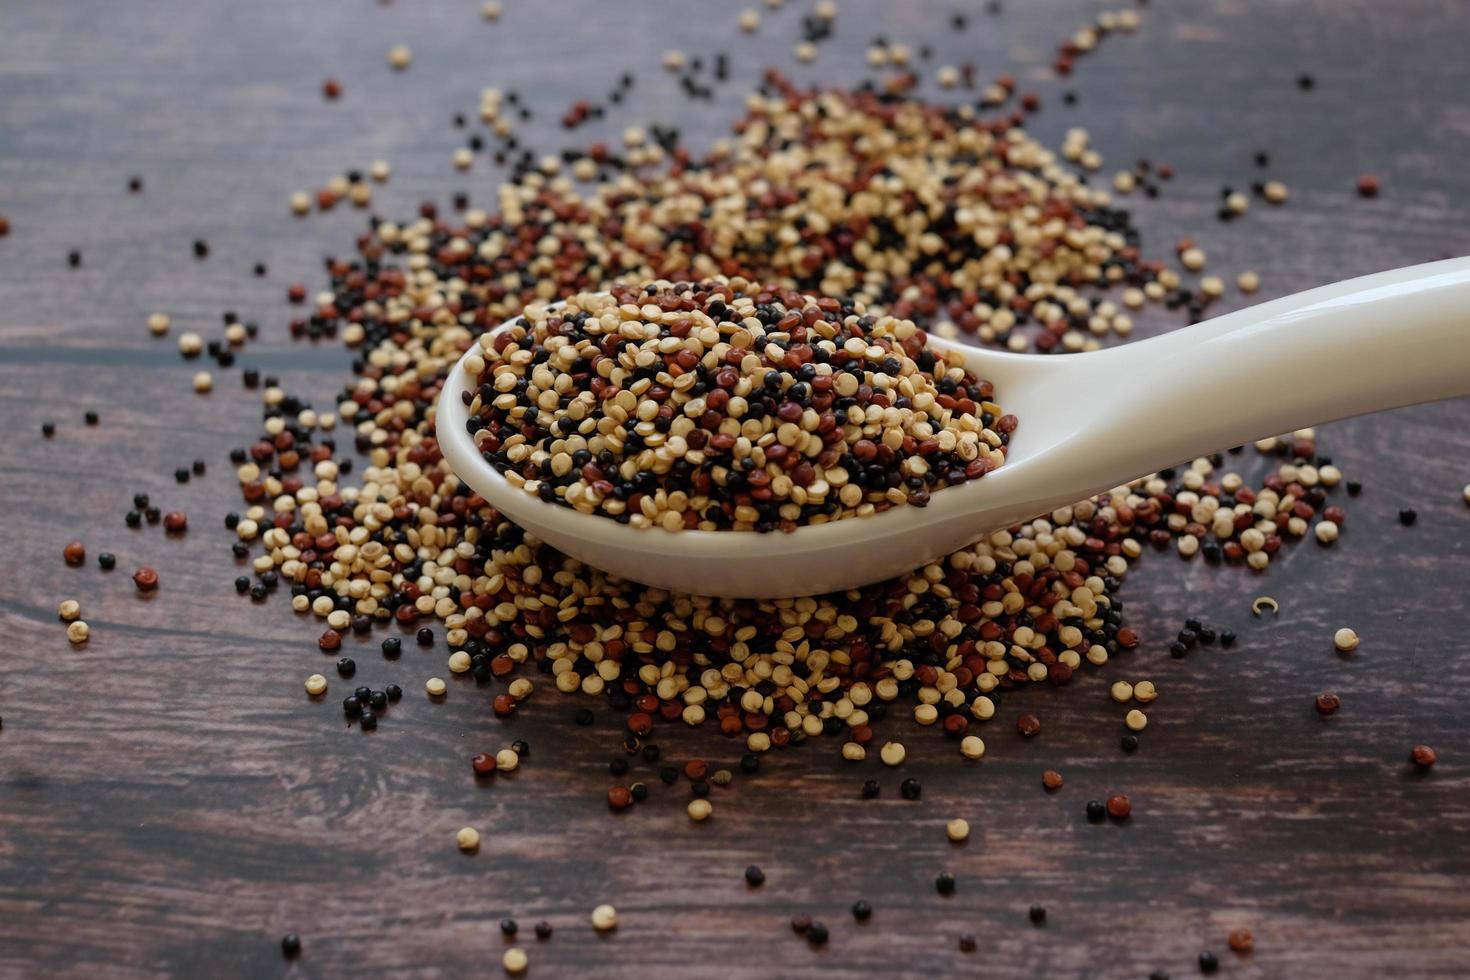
[170,801]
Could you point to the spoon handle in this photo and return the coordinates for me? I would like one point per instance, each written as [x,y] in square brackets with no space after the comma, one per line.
[1364,345]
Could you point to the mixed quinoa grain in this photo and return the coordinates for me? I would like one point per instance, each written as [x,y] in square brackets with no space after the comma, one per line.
[724,405]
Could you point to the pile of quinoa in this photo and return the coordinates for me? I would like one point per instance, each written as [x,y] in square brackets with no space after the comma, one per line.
[724,405]
[917,212]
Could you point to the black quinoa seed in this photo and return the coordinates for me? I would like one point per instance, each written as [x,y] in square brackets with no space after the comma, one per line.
[862,910]
[508,927]
[368,721]
[1037,915]
[944,884]
[910,789]
[754,876]
[394,692]
[870,789]
[107,561]
[1208,963]
[48,429]
[425,636]
[1408,516]
[816,934]
[392,646]
[1096,811]
[346,667]
[543,929]
[291,944]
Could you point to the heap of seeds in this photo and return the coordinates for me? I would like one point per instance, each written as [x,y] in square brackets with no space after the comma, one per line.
[918,212]
[723,405]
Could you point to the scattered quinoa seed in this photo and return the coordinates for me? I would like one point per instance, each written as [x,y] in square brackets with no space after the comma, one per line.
[1422,756]
[604,918]
[957,829]
[514,960]
[467,838]
[1345,640]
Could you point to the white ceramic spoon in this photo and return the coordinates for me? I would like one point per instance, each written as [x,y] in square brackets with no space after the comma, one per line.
[1088,422]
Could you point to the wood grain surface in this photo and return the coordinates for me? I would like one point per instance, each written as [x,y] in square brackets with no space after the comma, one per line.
[171,803]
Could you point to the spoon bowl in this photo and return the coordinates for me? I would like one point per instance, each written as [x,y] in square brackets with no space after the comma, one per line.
[1088,422]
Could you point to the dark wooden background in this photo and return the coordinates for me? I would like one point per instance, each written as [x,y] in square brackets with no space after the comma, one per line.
[172,803]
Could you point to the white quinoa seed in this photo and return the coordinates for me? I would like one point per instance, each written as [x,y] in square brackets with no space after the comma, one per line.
[972,746]
[1326,532]
[750,20]
[77,631]
[957,829]
[507,760]
[1144,691]
[190,344]
[69,610]
[399,57]
[1192,259]
[491,9]
[892,753]
[316,684]
[1345,640]
[158,324]
[1248,282]
[379,170]
[700,809]
[300,203]
[459,661]
[515,960]
[1274,192]
[1121,692]
[467,838]
[203,382]
[604,918]
[1136,720]
[806,51]
[435,687]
